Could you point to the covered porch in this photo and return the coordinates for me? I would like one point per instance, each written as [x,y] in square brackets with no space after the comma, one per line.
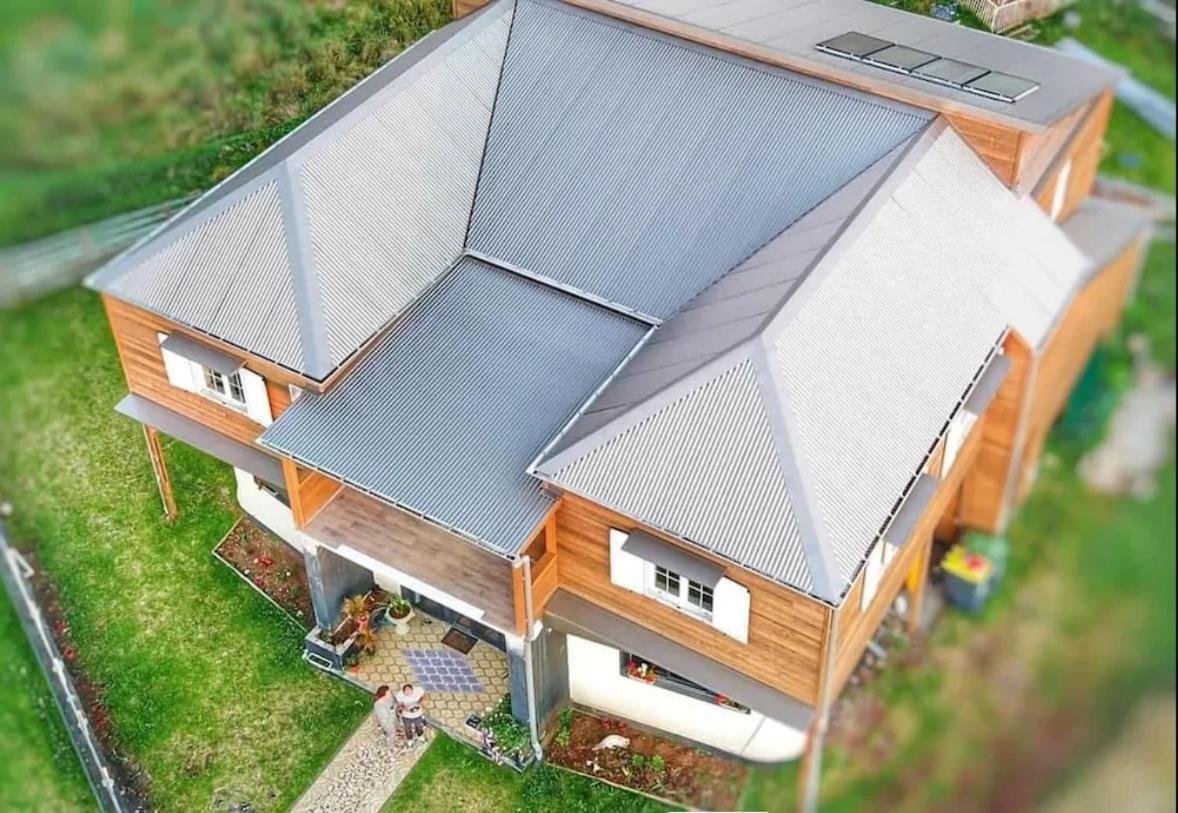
[459,644]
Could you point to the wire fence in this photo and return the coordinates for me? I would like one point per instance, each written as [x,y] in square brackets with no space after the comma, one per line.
[33,269]
[16,575]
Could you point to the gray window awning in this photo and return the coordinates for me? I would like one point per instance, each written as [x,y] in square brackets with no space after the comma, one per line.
[912,510]
[988,384]
[573,615]
[647,547]
[173,424]
[216,360]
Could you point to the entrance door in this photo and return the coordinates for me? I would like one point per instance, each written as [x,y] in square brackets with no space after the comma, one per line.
[456,619]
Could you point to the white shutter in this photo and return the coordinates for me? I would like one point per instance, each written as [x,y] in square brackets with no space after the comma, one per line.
[955,437]
[179,369]
[257,399]
[625,569]
[1059,195]
[730,609]
[873,570]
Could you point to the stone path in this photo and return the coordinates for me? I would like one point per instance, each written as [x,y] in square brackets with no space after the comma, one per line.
[362,776]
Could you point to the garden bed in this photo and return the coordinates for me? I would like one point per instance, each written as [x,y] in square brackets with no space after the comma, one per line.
[650,764]
[271,566]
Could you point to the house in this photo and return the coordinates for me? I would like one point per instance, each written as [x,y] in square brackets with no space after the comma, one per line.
[663,333]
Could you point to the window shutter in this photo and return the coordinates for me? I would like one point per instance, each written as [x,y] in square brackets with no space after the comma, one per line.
[625,569]
[179,369]
[873,571]
[955,437]
[730,610]
[257,399]
[1059,195]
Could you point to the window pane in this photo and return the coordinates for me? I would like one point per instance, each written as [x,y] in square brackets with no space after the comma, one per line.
[666,580]
[699,595]
[214,380]
[236,392]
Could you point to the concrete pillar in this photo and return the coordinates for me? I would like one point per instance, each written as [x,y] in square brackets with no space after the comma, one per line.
[332,578]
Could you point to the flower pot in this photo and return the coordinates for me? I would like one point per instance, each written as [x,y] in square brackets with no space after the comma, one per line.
[401,625]
[323,652]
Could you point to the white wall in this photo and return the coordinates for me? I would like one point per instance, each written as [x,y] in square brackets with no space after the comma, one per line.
[595,680]
[268,510]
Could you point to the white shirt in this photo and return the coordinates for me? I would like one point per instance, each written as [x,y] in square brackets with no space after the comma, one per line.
[410,703]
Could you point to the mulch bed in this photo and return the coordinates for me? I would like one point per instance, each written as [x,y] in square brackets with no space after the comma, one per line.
[133,780]
[692,776]
[271,565]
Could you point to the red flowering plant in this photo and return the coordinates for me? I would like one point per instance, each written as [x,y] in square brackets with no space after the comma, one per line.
[640,671]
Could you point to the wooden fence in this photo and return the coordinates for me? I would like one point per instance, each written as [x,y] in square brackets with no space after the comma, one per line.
[33,269]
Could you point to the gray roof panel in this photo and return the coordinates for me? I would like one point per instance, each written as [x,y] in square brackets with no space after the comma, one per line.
[432,419]
[640,169]
[789,30]
[313,247]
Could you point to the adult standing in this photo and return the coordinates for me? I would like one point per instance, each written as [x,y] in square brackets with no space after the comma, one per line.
[411,706]
[384,709]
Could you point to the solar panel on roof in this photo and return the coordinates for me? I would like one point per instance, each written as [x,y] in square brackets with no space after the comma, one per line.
[853,44]
[932,68]
[950,71]
[899,57]
[1002,86]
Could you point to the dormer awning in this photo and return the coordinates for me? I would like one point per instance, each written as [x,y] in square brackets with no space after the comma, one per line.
[205,355]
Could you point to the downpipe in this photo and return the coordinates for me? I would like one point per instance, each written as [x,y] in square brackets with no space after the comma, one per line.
[529,673]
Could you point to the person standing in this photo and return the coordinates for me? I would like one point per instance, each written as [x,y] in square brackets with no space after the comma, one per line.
[410,705]
[384,709]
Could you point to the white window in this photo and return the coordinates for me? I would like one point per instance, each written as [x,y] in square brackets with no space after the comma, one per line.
[242,390]
[725,606]
[226,388]
[680,592]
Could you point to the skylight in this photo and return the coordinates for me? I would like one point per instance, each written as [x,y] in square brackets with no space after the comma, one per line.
[929,67]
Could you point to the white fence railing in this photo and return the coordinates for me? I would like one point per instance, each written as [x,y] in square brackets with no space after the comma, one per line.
[1002,16]
[29,270]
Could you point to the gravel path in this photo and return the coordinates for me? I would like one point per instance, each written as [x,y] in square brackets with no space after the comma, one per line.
[362,776]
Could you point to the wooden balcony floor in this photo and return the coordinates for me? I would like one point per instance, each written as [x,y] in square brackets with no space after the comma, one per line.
[421,550]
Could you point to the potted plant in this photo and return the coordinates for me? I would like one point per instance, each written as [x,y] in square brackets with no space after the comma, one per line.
[330,649]
[399,612]
[640,671]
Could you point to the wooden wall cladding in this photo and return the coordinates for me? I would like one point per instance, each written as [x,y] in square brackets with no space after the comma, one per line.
[309,492]
[985,489]
[786,629]
[136,334]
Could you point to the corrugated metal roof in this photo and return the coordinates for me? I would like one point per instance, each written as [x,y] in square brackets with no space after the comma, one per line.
[827,412]
[1102,229]
[1021,260]
[640,168]
[733,309]
[702,466]
[309,250]
[432,418]
[791,29]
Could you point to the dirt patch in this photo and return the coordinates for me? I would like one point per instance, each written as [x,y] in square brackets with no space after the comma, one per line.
[271,565]
[128,775]
[650,764]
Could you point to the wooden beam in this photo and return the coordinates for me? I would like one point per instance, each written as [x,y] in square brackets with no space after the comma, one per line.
[160,466]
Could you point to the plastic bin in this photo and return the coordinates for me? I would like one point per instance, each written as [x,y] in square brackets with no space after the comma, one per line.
[994,548]
[969,577]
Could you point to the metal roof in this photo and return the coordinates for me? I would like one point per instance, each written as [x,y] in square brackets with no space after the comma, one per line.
[309,250]
[734,308]
[640,168]
[444,414]
[789,30]
[1101,229]
[773,453]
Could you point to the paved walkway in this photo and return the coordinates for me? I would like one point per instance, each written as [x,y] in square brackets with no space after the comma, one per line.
[362,776]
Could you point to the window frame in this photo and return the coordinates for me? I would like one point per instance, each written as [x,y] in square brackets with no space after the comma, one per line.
[680,599]
[669,681]
[219,387]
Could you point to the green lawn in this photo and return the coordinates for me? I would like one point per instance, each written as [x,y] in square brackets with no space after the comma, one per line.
[110,106]
[203,677]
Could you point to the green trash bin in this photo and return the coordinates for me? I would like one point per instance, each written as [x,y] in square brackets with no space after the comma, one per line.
[994,548]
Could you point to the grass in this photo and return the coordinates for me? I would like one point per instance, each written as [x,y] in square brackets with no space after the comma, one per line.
[124,103]
[451,776]
[38,767]
[204,681]
[1137,152]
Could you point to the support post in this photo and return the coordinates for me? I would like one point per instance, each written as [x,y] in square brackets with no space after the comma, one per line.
[160,467]
[811,768]
[917,582]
